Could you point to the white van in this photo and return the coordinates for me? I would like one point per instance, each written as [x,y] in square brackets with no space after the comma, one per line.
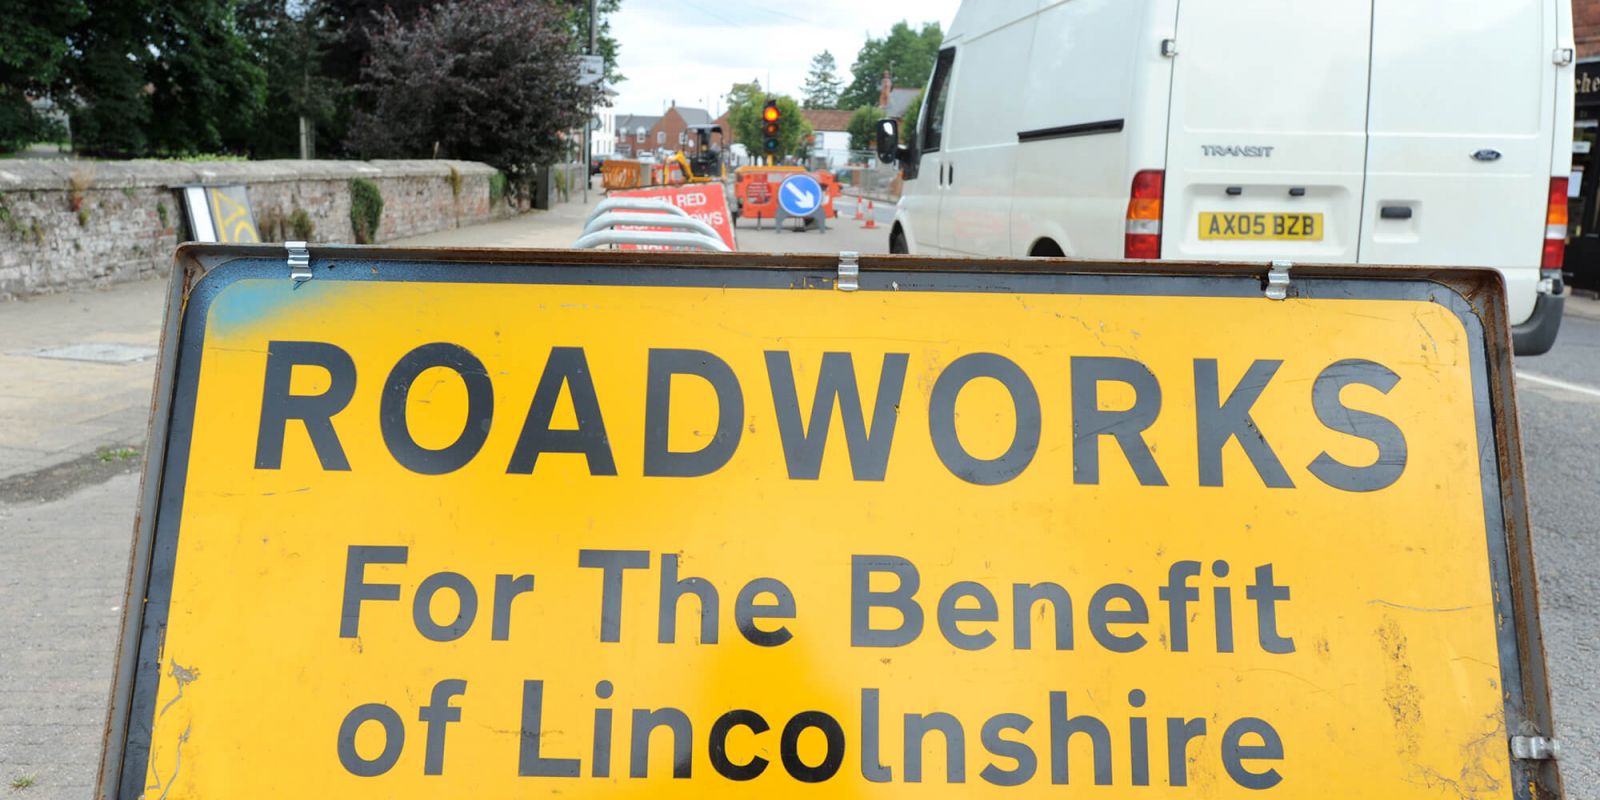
[1387,132]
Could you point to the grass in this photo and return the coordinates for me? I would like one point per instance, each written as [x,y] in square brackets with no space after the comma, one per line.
[23,782]
[116,454]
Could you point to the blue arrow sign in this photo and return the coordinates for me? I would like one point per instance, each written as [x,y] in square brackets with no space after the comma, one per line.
[800,195]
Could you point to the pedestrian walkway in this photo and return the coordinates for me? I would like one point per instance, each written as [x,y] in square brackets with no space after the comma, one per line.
[79,368]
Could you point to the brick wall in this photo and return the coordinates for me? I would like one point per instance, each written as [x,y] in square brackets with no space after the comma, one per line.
[1586,27]
[68,224]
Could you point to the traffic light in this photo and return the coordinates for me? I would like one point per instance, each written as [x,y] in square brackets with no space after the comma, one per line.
[771,123]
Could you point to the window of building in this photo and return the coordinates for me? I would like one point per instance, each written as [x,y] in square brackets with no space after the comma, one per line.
[638,136]
[661,137]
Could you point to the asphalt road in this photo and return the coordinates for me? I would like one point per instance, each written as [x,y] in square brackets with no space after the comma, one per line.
[1558,395]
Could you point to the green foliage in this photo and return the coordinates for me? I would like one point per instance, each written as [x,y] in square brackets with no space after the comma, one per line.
[290,41]
[577,17]
[745,119]
[366,209]
[906,53]
[12,225]
[863,128]
[454,179]
[161,212]
[33,50]
[488,80]
[110,455]
[162,77]
[301,226]
[822,84]
[497,189]
[908,125]
[83,217]
[23,782]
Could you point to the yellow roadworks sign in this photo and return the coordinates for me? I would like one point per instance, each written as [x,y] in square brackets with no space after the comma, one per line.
[679,526]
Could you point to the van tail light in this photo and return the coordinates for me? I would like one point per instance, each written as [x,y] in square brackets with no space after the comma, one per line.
[1555,227]
[1143,239]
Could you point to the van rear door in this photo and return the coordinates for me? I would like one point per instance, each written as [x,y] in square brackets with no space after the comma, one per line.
[1459,155]
[1267,133]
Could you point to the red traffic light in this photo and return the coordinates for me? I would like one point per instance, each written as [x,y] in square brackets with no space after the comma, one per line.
[770,113]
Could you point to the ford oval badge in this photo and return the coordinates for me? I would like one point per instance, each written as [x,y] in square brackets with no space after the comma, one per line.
[1486,155]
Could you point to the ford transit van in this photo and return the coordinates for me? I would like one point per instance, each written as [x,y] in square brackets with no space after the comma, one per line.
[1388,132]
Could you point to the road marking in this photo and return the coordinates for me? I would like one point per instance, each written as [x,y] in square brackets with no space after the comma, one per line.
[1559,384]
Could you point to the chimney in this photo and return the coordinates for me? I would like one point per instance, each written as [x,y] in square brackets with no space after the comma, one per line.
[883,93]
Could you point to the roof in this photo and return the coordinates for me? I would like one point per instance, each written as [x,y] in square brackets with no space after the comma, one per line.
[899,99]
[631,123]
[694,116]
[827,119]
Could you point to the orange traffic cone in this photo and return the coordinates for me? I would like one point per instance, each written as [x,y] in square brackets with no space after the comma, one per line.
[858,208]
[872,219]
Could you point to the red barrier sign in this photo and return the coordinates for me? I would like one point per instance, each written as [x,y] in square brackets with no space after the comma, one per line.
[703,201]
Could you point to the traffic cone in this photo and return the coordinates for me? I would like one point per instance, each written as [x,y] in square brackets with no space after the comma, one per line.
[858,208]
[872,219]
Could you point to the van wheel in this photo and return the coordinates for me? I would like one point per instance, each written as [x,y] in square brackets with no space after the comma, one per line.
[897,242]
[1045,248]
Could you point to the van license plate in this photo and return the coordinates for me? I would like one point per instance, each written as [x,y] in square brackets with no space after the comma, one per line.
[1260,226]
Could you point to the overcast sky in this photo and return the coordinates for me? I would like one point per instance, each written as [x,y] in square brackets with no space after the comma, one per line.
[694,50]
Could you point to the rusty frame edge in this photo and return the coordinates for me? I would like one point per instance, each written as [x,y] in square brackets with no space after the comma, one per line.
[1482,289]
[1538,718]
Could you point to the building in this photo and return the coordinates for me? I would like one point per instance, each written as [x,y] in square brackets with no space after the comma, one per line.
[1583,188]
[895,101]
[603,130]
[637,134]
[830,136]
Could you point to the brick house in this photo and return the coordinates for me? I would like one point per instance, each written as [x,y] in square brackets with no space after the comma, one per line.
[668,133]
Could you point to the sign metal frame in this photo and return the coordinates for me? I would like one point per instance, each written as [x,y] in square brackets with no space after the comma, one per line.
[1476,297]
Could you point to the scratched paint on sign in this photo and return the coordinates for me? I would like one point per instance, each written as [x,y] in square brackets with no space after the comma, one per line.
[710,535]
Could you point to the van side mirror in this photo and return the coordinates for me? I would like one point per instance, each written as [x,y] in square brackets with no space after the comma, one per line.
[888,140]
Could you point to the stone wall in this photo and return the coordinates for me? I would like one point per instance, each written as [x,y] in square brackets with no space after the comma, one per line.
[68,224]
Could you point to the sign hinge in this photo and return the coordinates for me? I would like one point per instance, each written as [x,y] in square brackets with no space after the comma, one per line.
[299,262]
[1535,748]
[1563,56]
[1169,48]
[1278,280]
[849,278]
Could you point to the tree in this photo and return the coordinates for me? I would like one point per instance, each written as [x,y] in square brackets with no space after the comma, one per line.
[863,128]
[577,15]
[352,23]
[489,80]
[907,54]
[33,50]
[206,88]
[908,124]
[744,117]
[174,76]
[289,41]
[822,85]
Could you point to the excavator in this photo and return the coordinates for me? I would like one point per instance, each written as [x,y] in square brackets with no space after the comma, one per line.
[706,164]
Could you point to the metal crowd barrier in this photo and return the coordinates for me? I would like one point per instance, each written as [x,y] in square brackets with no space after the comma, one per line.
[692,234]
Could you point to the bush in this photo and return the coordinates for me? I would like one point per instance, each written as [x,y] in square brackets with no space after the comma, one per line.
[366,209]
[300,223]
[497,189]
